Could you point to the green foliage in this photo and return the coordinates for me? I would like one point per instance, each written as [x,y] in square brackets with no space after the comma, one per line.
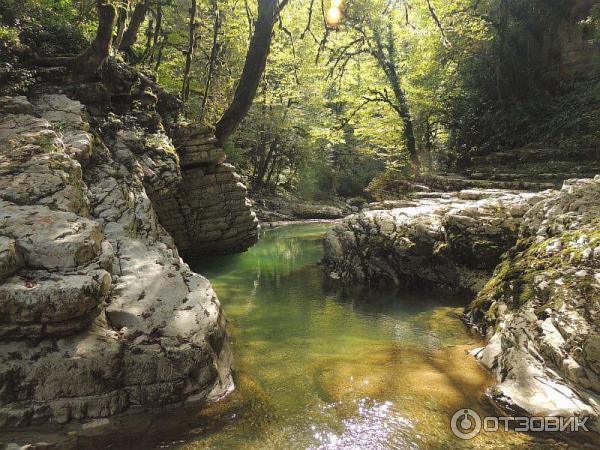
[326,122]
[520,86]
[9,36]
[47,27]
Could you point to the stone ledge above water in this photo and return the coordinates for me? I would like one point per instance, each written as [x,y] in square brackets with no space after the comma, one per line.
[99,316]
[452,241]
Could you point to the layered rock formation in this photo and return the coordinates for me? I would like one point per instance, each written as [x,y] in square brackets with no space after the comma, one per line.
[98,313]
[541,309]
[209,212]
[287,208]
[450,241]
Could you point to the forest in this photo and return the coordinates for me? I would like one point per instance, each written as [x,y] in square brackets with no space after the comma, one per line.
[299,224]
[350,98]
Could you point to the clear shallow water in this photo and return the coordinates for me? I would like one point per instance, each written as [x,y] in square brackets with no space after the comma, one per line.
[320,366]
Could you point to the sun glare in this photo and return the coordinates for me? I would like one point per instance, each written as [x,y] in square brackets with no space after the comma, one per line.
[334,16]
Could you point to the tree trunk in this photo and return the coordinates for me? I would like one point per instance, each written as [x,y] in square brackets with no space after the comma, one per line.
[212,62]
[130,35]
[185,88]
[161,47]
[149,33]
[156,34]
[121,20]
[256,60]
[272,170]
[385,56]
[265,163]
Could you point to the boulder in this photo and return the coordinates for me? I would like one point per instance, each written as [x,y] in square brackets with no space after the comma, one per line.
[446,242]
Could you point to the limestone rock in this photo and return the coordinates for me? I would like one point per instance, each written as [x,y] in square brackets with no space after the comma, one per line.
[451,242]
[15,105]
[541,309]
[209,212]
[34,167]
[36,303]
[11,259]
[50,239]
[99,315]
[286,207]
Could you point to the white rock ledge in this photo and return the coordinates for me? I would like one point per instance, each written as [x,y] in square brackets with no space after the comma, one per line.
[99,316]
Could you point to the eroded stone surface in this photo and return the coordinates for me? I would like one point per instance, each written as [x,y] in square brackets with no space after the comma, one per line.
[209,212]
[541,309]
[11,259]
[451,241]
[286,207]
[120,322]
[50,239]
[34,168]
[38,303]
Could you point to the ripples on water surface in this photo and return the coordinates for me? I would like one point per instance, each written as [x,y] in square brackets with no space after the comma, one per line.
[320,367]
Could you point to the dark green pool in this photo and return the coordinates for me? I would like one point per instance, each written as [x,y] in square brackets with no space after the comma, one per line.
[320,366]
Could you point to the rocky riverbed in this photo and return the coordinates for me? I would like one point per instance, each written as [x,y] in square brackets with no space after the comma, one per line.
[531,261]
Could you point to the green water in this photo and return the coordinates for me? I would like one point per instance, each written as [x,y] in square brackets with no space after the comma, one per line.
[320,366]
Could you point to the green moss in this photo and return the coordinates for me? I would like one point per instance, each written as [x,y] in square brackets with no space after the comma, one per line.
[513,281]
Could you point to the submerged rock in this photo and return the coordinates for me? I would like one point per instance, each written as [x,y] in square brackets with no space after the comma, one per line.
[541,309]
[449,241]
[99,315]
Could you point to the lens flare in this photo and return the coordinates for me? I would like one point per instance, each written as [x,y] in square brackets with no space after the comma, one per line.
[336,4]
[334,16]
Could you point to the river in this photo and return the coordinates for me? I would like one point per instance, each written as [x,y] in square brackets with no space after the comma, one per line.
[319,365]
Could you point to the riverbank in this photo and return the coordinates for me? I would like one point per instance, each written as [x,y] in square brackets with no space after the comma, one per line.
[99,316]
[531,260]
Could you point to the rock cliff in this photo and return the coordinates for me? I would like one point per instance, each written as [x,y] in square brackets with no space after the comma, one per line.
[99,315]
[541,309]
[209,212]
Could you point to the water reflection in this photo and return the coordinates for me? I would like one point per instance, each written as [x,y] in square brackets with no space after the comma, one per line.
[320,365]
[375,425]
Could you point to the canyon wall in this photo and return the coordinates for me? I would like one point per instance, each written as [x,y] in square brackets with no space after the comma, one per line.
[209,213]
[99,316]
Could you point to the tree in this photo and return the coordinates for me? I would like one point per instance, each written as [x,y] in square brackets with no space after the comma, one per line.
[254,66]
[373,34]
[212,59]
[189,54]
[90,60]
[130,34]
[385,54]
